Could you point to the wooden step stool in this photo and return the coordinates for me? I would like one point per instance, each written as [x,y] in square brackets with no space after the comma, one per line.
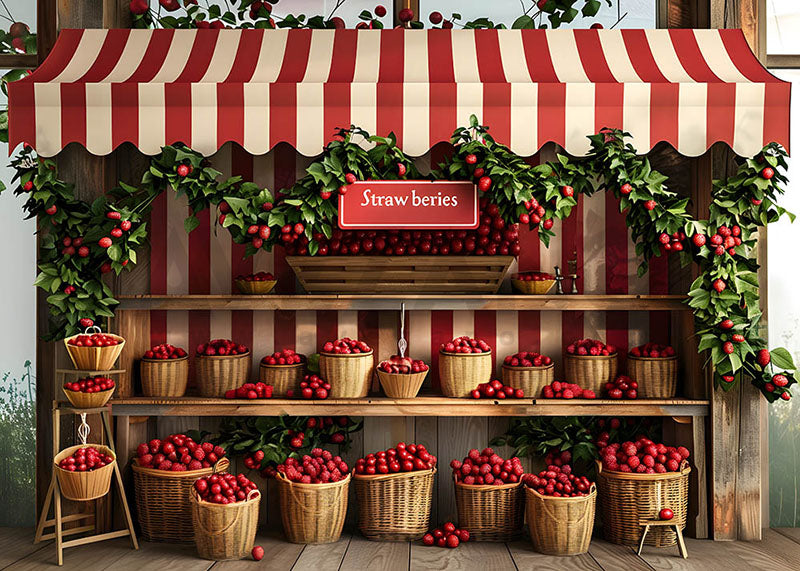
[648,523]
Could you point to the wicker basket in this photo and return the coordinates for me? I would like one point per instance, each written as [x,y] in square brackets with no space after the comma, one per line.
[490,513]
[163,501]
[348,374]
[84,486]
[394,507]
[224,532]
[460,373]
[530,379]
[533,287]
[657,377]
[94,358]
[560,526]
[313,513]
[164,377]
[89,400]
[218,374]
[590,371]
[401,386]
[255,288]
[283,378]
[625,498]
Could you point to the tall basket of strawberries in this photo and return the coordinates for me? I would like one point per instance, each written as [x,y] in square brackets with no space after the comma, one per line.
[221,365]
[464,363]
[94,350]
[283,370]
[164,370]
[347,365]
[163,474]
[394,491]
[313,497]
[489,495]
[529,371]
[590,364]
[655,368]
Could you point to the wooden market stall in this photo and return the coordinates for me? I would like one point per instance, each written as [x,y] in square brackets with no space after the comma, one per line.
[259,103]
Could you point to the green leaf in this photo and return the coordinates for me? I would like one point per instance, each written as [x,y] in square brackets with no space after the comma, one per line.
[191,223]
[782,359]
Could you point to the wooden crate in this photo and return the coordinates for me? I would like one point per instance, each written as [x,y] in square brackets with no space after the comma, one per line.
[400,274]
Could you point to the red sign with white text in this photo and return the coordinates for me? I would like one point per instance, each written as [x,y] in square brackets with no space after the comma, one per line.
[411,204]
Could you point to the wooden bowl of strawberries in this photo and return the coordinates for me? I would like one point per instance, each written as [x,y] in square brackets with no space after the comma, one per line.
[533,283]
[255,284]
[401,377]
[89,392]
[94,350]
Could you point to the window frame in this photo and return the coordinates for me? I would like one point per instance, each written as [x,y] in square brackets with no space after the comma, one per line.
[774,61]
[45,38]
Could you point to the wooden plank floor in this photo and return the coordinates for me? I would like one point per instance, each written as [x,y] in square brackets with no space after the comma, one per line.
[778,551]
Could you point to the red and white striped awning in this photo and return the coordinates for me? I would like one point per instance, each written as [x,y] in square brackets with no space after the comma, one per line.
[691,88]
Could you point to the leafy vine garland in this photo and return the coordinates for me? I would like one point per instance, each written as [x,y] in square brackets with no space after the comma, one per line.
[80,242]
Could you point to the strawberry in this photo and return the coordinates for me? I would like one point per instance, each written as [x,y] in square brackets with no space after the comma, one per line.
[763,357]
[727,347]
[471,159]
[104,242]
[567,191]
[738,338]
[780,380]
[484,183]
[626,188]
[719,285]
[650,205]
[726,324]
[699,240]
[767,173]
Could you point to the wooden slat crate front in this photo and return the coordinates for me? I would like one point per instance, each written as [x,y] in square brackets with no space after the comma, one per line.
[400,274]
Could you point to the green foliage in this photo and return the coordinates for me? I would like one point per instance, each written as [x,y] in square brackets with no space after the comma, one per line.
[18,448]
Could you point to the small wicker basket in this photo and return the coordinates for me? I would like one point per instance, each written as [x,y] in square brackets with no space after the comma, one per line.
[590,371]
[348,374]
[164,377]
[163,501]
[401,386]
[218,374]
[84,486]
[531,287]
[94,358]
[460,373]
[89,400]
[283,378]
[224,532]
[625,498]
[255,288]
[490,513]
[530,379]
[657,377]
[560,526]
[313,513]
[394,507]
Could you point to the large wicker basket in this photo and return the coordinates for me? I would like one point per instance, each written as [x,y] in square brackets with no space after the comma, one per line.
[460,373]
[625,498]
[89,400]
[348,374]
[163,501]
[164,377]
[530,379]
[401,386]
[394,507]
[283,378]
[94,358]
[560,526]
[590,371]
[224,532]
[84,486]
[218,374]
[490,513]
[313,513]
[657,377]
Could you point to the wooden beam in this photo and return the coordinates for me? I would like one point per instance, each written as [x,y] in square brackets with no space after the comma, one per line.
[45,28]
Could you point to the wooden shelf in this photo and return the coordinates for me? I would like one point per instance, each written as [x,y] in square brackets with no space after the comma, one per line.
[420,406]
[413,302]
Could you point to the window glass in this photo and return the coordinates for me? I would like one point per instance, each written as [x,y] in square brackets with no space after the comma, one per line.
[783,24]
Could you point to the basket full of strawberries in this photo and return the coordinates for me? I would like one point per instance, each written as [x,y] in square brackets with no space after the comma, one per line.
[590,363]
[347,365]
[401,377]
[94,350]
[283,370]
[529,371]
[164,370]
[464,363]
[655,368]
[221,365]
[84,471]
[89,392]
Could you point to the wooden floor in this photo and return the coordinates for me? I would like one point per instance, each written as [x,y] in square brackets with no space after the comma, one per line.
[779,550]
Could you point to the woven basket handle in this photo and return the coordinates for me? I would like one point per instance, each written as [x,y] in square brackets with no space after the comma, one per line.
[292,487]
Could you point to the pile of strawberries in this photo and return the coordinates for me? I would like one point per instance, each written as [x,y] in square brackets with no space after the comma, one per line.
[653,350]
[643,457]
[466,344]
[402,365]
[345,346]
[527,359]
[496,390]
[164,351]
[259,277]
[533,276]
[561,390]
[723,241]
[311,387]
[85,460]
[559,482]
[446,536]
[487,468]
[320,467]
[591,347]
[257,390]
[220,347]
[94,340]
[177,453]
[622,387]
[672,242]
[402,458]
[285,357]
[224,488]
[90,385]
